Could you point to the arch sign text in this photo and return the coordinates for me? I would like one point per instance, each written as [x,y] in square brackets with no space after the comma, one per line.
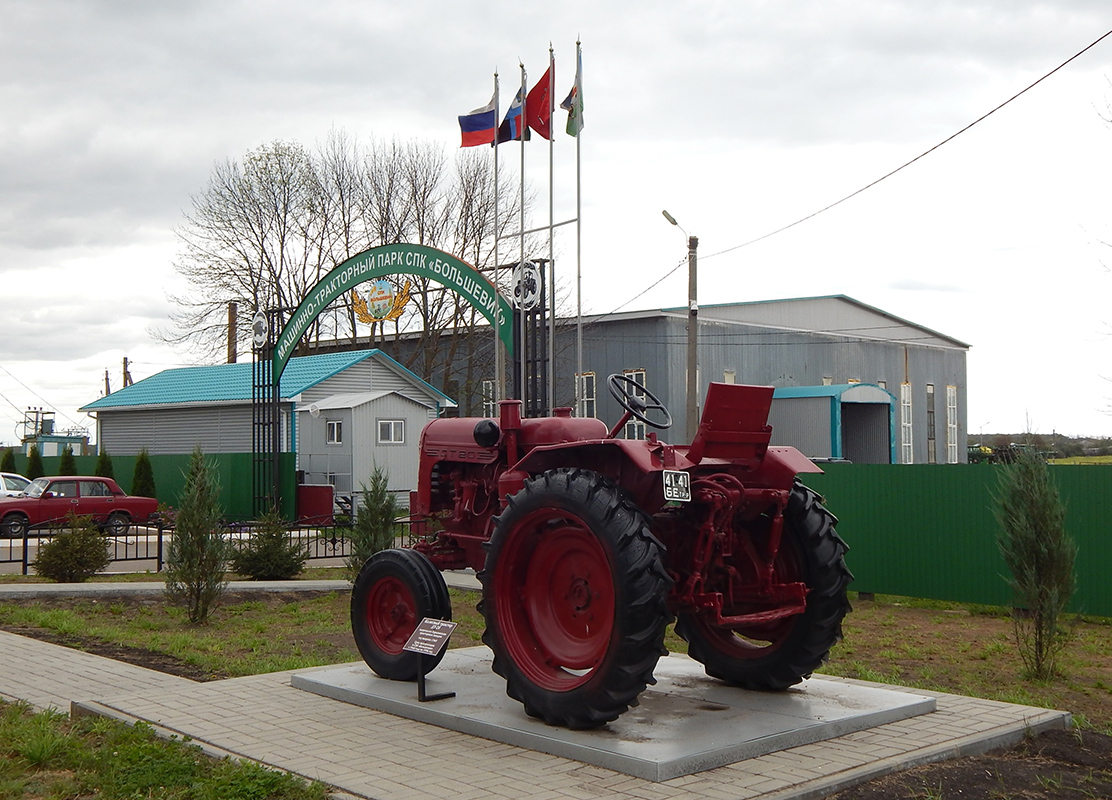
[394,259]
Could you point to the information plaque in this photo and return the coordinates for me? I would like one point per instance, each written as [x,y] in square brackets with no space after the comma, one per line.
[429,638]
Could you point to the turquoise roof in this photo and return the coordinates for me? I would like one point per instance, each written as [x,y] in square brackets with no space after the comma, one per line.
[829,390]
[229,383]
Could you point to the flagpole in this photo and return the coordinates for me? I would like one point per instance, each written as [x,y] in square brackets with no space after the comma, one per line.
[521,240]
[578,240]
[499,357]
[551,257]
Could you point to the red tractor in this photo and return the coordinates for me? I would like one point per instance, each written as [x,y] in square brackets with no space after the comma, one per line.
[588,545]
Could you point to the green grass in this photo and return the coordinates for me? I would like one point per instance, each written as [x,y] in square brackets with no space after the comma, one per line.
[240,639]
[939,646]
[48,755]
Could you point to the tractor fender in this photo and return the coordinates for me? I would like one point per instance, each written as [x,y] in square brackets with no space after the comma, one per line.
[781,464]
[610,457]
[632,464]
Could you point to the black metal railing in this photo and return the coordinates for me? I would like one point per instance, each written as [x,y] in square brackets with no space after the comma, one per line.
[150,543]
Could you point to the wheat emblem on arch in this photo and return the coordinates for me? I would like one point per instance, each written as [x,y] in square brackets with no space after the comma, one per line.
[381,302]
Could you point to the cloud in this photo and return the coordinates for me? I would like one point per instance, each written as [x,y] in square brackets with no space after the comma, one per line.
[738,117]
[923,286]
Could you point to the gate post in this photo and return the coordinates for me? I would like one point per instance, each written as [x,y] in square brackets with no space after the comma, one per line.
[265,415]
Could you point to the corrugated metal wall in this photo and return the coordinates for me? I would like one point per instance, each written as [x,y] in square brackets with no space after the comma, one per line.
[929,530]
[217,428]
[366,376]
[399,460]
[318,459]
[804,423]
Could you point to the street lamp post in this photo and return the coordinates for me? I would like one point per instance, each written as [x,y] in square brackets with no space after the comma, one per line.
[692,329]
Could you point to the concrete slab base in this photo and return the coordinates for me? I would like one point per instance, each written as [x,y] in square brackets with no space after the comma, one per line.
[687,723]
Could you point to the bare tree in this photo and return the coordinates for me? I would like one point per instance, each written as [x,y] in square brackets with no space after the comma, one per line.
[266,229]
[256,236]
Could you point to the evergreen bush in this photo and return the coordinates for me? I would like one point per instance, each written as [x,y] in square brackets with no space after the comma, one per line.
[7,461]
[103,468]
[76,552]
[142,478]
[374,527]
[1040,556]
[269,554]
[198,552]
[67,465]
[35,468]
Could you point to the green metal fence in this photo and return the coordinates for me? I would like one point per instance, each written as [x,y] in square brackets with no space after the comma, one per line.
[929,530]
[234,471]
[914,530]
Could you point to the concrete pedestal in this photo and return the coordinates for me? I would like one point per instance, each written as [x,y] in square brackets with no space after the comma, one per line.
[686,723]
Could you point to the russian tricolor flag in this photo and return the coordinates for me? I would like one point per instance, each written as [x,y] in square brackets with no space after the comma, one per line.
[479,126]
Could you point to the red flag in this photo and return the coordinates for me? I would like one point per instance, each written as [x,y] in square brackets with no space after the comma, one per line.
[538,106]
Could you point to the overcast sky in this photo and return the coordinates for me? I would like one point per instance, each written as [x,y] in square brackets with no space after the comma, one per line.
[739,117]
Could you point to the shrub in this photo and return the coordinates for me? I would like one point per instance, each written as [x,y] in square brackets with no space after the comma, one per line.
[103,469]
[198,552]
[142,479]
[67,466]
[374,521]
[269,554]
[7,461]
[1040,557]
[76,552]
[34,463]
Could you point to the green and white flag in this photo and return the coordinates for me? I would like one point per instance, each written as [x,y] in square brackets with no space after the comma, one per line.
[573,103]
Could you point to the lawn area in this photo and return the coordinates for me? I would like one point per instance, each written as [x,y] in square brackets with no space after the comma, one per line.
[48,755]
[940,646]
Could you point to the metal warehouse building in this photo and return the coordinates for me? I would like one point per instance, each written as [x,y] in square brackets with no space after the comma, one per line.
[805,342]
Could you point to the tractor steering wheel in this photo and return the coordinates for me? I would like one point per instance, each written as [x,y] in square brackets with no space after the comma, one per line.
[625,390]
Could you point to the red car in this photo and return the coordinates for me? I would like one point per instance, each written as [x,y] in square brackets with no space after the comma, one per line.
[49,499]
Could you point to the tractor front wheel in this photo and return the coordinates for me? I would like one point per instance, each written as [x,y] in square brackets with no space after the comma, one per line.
[394,591]
[574,598]
[776,655]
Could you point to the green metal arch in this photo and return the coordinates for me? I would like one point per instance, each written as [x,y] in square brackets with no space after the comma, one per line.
[395,259]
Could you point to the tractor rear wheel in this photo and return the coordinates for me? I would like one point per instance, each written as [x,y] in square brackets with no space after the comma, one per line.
[574,598]
[394,591]
[776,655]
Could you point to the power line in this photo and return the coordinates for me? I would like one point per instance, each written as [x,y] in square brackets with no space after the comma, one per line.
[814,214]
[948,139]
[40,398]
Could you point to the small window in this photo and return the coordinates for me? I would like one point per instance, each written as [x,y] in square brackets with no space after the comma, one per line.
[585,400]
[907,448]
[391,431]
[951,424]
[932,456]
[490,404]
[827,380]
[335,431]
[882,384]
[635,429]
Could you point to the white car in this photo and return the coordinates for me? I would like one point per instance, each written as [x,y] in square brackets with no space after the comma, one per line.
[12,485]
